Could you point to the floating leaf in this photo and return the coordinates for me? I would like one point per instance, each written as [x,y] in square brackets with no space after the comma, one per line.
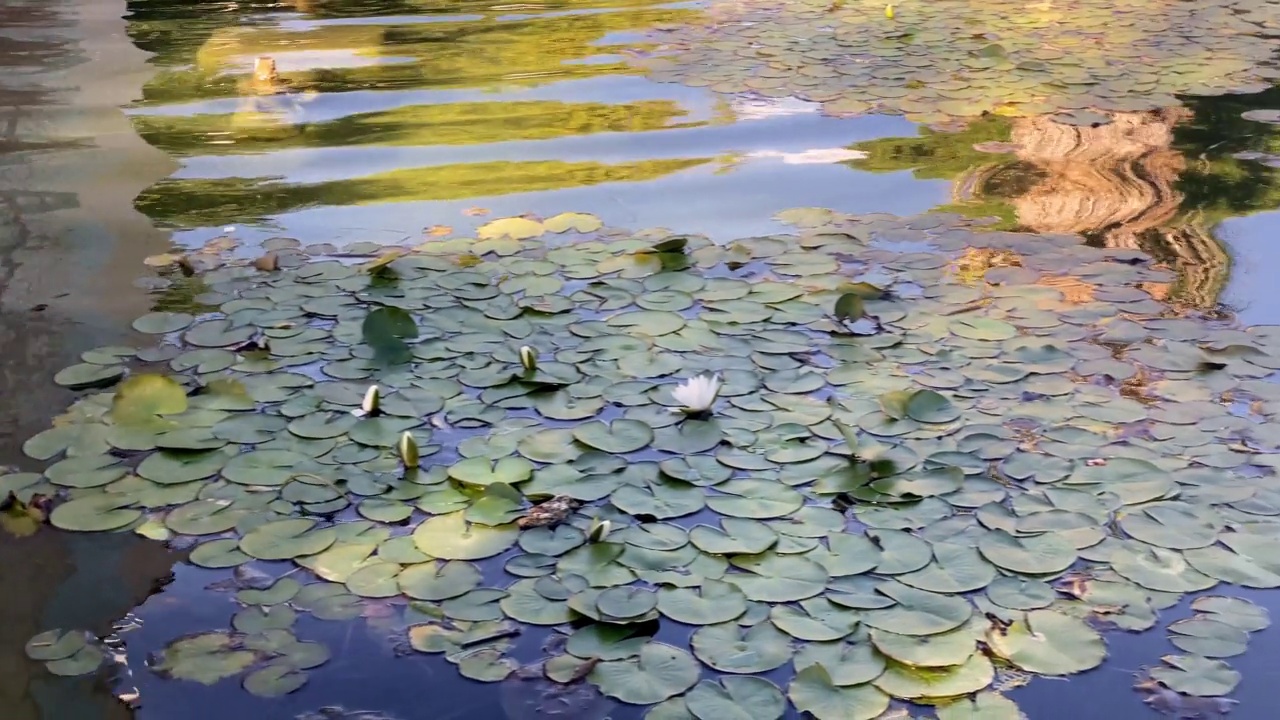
[736,698]
[450,537]
[813,692]
[657,673]
[1049,643]
[1198,676]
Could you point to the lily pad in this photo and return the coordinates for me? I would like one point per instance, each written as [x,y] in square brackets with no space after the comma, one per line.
[658,672]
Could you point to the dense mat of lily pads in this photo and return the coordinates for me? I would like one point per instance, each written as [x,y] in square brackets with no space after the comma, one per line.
[937,61]
[912,481]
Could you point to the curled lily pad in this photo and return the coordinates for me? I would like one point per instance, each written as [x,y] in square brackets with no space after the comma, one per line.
[88,375]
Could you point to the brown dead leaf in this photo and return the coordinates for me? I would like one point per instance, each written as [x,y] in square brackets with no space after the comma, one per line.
[549,512]
[162,260]
[438,230]
[220,244]
[380,263]
[267,263]
[475,211]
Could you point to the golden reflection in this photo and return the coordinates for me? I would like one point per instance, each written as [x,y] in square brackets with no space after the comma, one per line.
[192,202]
[493,51]
[279,70]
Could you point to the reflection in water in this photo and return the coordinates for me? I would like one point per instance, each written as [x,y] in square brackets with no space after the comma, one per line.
[1120,184]
[70,244]
[516,108]
[352,118]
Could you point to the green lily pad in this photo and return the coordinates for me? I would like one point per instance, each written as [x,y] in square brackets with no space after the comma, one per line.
[86,660]
[287,539]
[161,323]
[812,691]
[713,603]
[1049,643]
[205,658]
[87,375]
[983,706]
[940,650]
[736,698]
[56,644]
[1036,554]
[910,683]
[658,672]
[1208,638]
[1194,675]
[729,647]
[481,471]
[95,513]
[618,437]
[450,537]
[846,663]
[918,612]
[1236,612]
[275,680]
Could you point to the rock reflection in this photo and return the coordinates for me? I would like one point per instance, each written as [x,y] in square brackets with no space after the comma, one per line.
[1117,183]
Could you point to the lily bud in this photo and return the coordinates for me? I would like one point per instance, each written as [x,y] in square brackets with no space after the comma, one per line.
[371,401]
[888,11]
[599,530]
[408,448]
[528,358]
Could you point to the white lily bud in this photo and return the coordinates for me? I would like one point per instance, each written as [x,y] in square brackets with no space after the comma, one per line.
[528,358]
[408,448]
[371,402]
[599,530]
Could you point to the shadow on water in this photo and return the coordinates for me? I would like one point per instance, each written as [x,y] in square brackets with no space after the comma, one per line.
[70,244]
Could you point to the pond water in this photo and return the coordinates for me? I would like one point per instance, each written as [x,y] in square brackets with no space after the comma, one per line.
[151,148]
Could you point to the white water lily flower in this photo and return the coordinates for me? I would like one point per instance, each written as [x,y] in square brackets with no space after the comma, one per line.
[528,358]
[373,400]
[698,393]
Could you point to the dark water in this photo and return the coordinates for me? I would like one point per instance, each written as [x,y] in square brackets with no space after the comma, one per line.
[387,119]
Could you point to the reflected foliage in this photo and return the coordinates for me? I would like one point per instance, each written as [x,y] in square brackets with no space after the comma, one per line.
[208,202]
